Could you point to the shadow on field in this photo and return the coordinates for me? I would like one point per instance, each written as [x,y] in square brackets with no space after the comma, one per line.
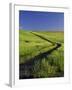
[25,70]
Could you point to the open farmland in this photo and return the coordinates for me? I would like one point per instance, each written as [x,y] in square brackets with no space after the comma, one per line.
[41,54]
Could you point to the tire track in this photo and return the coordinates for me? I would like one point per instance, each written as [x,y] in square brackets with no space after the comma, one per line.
[43,38]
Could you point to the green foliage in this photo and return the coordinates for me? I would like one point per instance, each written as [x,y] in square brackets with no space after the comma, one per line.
[31,45]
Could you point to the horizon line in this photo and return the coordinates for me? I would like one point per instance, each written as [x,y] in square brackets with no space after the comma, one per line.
[43,30]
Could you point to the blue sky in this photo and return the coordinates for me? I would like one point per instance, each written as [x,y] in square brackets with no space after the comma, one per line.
[41,21]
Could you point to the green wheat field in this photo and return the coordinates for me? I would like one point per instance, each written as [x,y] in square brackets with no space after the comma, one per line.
[41,54]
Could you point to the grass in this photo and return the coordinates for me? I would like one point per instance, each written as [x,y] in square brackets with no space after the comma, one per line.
[31,46]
